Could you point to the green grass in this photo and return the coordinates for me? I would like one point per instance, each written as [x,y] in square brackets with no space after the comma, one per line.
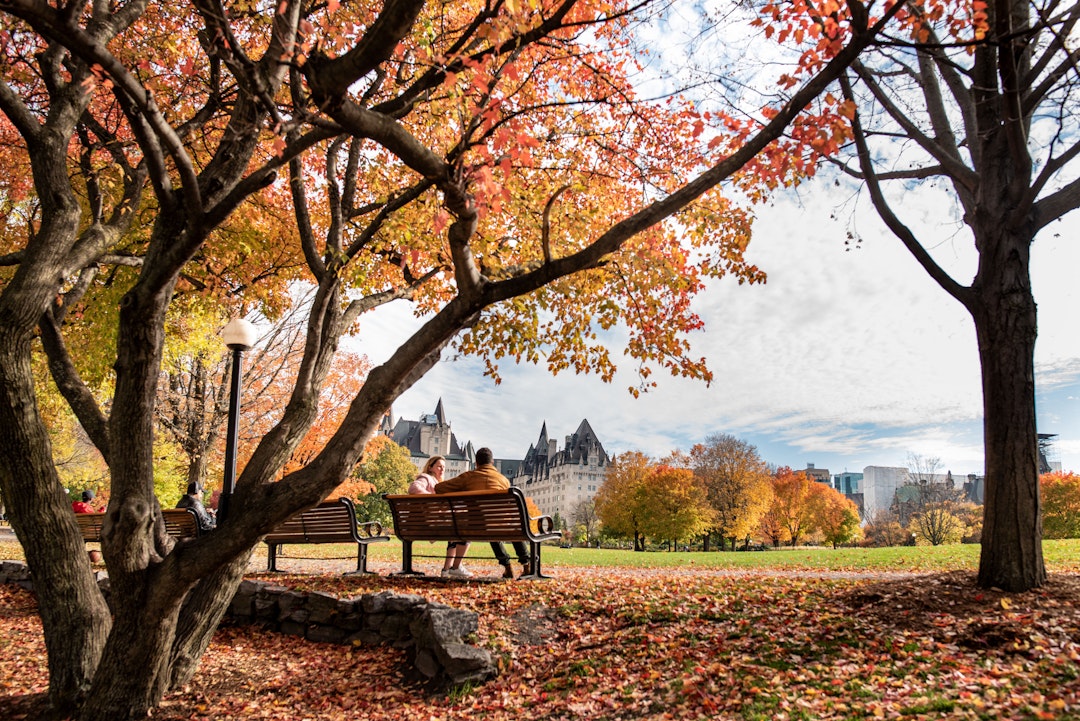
[1060,555]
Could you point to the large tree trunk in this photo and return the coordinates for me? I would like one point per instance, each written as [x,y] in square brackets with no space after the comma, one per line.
[200,615]
[158,638]
[128,681]
[1005,323]
[74,616]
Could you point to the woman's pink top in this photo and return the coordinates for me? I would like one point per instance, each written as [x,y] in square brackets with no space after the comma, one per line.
[424,483]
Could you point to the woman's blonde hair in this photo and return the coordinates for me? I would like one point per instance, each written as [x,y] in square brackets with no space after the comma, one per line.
[431,462]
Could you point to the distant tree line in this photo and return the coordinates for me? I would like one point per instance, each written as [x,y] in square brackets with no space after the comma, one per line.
[721,493]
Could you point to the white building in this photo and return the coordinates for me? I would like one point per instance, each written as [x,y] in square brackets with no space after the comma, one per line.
[557,481]
[879,484]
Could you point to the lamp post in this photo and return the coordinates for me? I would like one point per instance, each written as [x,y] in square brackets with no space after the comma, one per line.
[239,336]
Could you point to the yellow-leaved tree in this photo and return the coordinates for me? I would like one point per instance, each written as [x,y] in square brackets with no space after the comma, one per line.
[674,505]
[737,484]
[619,500]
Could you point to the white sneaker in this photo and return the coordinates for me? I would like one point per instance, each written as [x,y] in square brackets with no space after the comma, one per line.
[457,572]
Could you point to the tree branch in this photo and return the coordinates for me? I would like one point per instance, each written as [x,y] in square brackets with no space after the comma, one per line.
[899,229]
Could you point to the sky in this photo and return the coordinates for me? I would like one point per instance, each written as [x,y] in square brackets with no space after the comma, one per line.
[843,359]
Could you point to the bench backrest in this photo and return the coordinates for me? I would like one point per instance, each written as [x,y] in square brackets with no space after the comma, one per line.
[90,525]
[179,523]
[468,516]
[328,522]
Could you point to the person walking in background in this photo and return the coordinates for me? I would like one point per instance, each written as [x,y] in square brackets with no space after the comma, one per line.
[84,506]
[425,482]
[193,500]
[485,477]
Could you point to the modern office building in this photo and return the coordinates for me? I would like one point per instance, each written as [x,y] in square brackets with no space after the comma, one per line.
[879,487]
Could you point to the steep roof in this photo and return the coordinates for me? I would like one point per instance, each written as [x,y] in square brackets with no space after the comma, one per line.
[580,446]
[408,434]
[583,443]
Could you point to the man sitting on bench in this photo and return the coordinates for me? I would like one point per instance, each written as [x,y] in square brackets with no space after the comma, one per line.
[486,478]
[193,500]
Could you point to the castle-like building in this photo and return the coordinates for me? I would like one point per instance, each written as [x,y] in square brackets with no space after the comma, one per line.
[558,481]
[430,436]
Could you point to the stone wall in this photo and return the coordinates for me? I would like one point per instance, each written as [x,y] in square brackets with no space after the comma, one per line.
[434,636]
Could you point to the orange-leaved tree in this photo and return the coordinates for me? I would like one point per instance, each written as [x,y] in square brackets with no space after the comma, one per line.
[792,506]
[490,162]
[836,517]
[1061,504]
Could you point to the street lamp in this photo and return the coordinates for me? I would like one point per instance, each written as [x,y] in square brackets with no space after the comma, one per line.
[239,335]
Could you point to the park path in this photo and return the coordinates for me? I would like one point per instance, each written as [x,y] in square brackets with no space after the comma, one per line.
[489,571]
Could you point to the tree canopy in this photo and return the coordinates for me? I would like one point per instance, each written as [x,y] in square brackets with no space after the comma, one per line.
[737,484]
[490,162]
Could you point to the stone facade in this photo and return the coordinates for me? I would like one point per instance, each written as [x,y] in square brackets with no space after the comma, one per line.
[557,481]
[430,436]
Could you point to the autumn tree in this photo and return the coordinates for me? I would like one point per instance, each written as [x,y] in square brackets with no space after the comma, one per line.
[981,95]
[192,400]
[586,520]
[673,505]
[491,163]
[928,503]
[792,505]
[937,524]
[836,517]
[883,528]
[771,526]
[737,484]
[619,503]
[386,466]
[1061,504]
[192,394]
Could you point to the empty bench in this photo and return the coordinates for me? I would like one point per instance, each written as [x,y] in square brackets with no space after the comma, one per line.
[179,523]
[468,516]
[328,522]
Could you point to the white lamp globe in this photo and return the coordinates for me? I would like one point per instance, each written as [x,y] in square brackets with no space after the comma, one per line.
[239,334]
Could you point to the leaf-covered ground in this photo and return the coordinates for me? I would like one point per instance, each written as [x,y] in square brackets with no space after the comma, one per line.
[651,644]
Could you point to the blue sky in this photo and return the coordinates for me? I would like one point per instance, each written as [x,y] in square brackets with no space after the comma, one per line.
[842,359]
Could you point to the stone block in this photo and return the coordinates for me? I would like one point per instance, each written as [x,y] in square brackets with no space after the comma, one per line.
[319,633]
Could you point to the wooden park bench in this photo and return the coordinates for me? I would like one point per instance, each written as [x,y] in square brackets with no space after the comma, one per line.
[328,522]
[468,516]
[179,523]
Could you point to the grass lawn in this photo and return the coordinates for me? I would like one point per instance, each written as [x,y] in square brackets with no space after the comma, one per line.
[1060,555]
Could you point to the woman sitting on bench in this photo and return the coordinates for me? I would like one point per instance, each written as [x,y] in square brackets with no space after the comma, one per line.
[425,482]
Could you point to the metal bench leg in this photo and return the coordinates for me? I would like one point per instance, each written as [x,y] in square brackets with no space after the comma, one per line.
[536,570]
[406,561]
[361,559]
[271,557]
